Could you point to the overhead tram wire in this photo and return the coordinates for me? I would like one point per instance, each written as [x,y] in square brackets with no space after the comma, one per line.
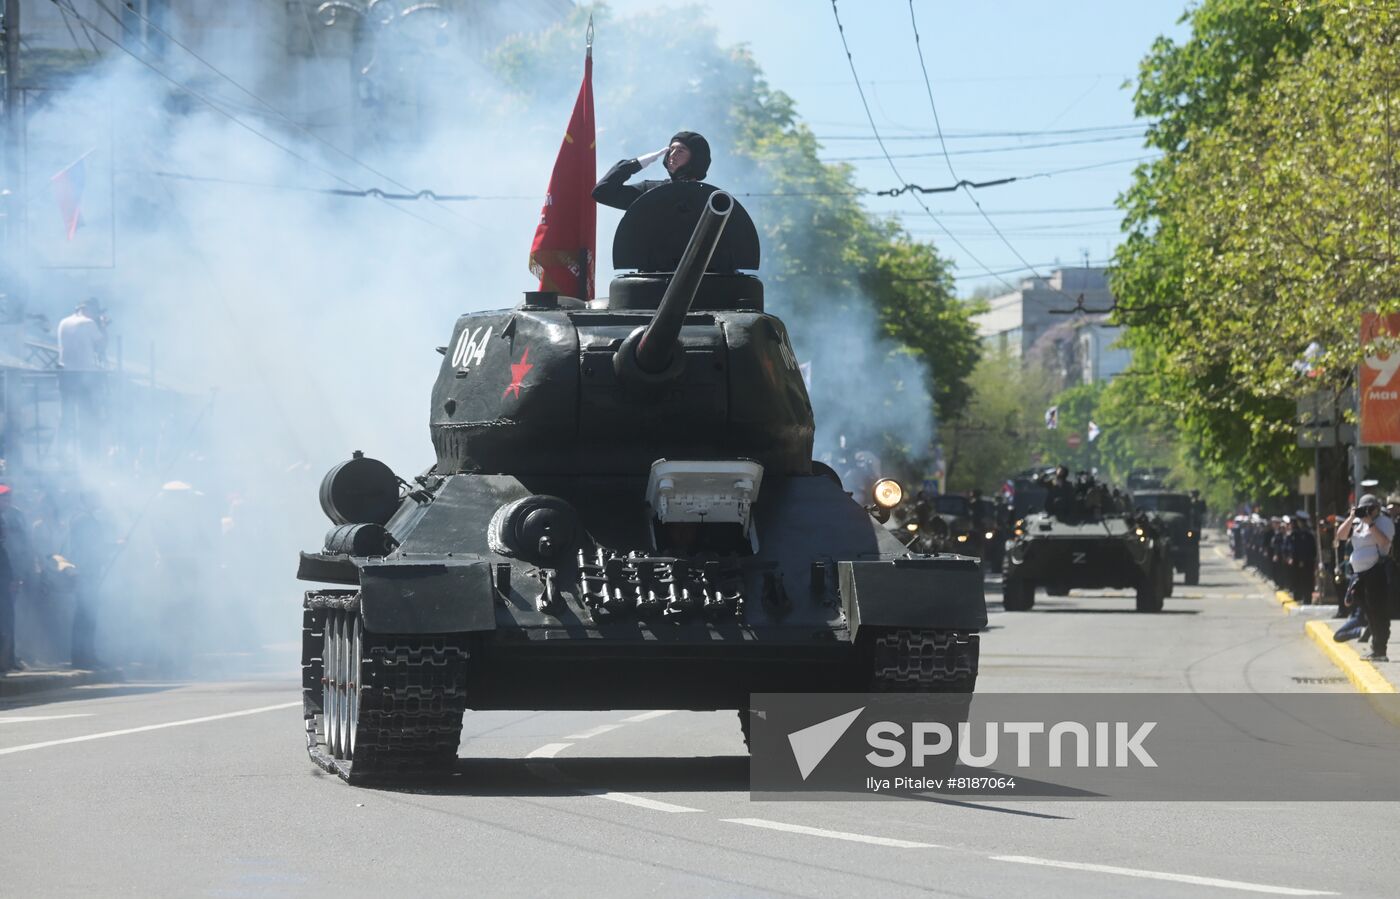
[979,151]
[982,135]
[947,157]
[88,23]
[865,104]
[256,98]
[374,192]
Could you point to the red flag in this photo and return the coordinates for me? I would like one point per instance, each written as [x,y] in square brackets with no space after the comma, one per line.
[563,252]
[68,191]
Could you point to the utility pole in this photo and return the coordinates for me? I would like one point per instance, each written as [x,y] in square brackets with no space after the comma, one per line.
[13,136]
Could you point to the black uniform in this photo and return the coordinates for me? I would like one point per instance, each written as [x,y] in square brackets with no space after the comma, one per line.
[1302,554]
[613,189]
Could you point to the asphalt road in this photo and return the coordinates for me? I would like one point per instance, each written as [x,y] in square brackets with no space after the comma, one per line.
[188,789]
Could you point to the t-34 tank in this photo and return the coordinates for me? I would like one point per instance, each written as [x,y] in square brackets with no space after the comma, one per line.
[624,513]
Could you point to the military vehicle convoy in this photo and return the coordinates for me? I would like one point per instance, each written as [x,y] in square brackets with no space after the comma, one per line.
[1088,538]
[1179,514]
[623,513]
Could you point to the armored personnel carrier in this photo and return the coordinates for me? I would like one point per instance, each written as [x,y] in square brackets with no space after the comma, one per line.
[1179,516]
[1090,540]
[623,513]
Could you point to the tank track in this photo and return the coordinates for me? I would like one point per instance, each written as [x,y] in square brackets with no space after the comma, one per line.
[915,661]
[919,661]
[412,695]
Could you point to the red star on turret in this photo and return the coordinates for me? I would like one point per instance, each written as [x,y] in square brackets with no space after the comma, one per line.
[518,370]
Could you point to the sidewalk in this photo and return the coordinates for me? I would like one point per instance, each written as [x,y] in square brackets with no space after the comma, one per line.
[19,683]
[1367,677]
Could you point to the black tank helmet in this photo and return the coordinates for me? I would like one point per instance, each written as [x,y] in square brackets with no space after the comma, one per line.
[699,164]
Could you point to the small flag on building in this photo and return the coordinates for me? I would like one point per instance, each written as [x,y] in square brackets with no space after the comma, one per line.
[1094,432]
[68,191]
[1052,417]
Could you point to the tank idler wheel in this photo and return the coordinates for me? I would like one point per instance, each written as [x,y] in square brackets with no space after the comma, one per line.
[1017,594]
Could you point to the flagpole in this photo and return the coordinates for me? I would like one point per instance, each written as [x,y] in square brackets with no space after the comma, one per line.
[583,261]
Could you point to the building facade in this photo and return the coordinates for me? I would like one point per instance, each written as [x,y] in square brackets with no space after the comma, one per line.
[1060,320]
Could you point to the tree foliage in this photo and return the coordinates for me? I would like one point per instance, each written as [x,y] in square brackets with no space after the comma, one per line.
[1266,226]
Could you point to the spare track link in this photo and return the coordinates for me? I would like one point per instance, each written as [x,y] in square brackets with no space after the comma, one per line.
[918,661]
[412,698]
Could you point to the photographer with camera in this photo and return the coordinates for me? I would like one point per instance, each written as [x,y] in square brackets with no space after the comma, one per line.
[1370,534]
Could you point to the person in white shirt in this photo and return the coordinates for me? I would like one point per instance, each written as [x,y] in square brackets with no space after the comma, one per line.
[1370,533]
[82,340]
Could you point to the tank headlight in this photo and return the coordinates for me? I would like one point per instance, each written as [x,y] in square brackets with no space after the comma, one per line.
[1190,533]
[887,493]
[962,538]
[989,535]
[911,526]
[1019,532]
[1139,532]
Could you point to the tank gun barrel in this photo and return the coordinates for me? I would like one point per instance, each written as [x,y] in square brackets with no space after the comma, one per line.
[657,343]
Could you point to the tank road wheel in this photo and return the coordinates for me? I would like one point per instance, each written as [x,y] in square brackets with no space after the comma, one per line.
[1149,592]
[1017,594]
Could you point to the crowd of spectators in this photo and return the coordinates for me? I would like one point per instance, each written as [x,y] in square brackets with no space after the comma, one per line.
[1358,566]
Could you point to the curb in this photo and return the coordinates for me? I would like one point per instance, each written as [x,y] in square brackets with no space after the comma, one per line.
[25,683]
[1363,675]
[1285,600]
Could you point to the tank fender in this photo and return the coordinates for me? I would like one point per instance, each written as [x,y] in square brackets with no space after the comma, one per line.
[938,593]
[427,597]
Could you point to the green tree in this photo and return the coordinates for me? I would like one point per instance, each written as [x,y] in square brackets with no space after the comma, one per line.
[1266,226]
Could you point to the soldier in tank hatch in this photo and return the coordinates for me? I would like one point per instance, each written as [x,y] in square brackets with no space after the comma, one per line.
[687,159]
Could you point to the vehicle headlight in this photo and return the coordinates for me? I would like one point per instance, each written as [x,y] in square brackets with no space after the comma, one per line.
[1190,533]
[911,526]
[887,493]
[1139,532]
[990,535]
[962,538]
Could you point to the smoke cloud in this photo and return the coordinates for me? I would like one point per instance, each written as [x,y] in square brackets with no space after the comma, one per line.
[266,329]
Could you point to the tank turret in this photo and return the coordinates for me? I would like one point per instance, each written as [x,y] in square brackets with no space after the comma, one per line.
[679,361]
[652,349]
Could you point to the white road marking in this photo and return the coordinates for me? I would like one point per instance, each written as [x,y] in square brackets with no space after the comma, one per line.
[638,801]
[548,750]
[831,834]
[1163,875]
[593,732]
[23,719]
[138,730]
[647,716]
